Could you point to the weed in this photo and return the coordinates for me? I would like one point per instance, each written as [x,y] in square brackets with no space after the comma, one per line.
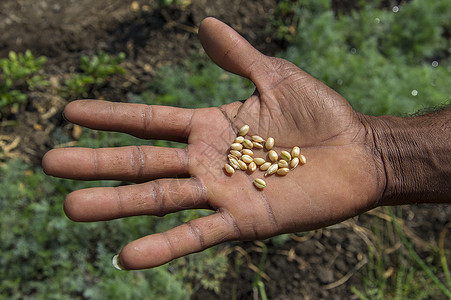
[20,74]
[392,272]
[44,255]
[95,72]
[364,56]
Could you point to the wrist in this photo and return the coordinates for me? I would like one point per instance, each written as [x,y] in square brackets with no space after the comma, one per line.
[415,156]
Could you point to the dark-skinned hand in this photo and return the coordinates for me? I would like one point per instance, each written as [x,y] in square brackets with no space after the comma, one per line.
[343,175]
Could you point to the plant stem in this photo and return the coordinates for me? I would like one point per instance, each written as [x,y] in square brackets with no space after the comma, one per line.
[417,259]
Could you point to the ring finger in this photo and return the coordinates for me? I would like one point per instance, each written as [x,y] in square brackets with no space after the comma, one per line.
[157,197]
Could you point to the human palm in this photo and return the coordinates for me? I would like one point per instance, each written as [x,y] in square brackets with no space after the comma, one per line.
[341,178]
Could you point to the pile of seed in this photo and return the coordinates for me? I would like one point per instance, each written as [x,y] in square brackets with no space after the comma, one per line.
[241,157]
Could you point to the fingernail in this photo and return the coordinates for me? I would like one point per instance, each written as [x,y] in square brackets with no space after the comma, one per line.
[116,263]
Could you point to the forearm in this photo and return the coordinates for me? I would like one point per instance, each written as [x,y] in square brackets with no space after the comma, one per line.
[415,153]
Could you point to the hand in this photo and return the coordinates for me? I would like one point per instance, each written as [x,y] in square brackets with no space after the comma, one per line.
[343,176]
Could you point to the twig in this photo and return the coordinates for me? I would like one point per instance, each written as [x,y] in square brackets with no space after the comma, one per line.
[416,240]
[250,264]
[304,238]
[346,277]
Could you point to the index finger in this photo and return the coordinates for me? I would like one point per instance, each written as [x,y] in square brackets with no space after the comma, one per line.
[140,120]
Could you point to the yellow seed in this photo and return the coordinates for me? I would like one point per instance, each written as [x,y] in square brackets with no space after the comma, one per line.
[244,130]
[259,161]
[247,152]
[257,145]
[235,153]
[294,162]
[265,166]
[239,139]
[248,144]
[269,143]
[236,146]
[302,159]
[243,165]
[273,156]
[260,183]
[257,138]
[285,155]
[232,156]
[252,167]
[295,151]
[234,163]
[272,169]
[283,163]
[283,171]
[247,159]
[229,169]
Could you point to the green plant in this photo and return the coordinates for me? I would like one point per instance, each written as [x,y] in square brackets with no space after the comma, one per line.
[206,271]
[198,83]
[446,290]
[363,56]
[95,71]
[257,282]
[20,73]
[285,20]
[46,256]
[396,272]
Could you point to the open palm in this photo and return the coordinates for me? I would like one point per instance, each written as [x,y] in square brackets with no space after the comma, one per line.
[343,176]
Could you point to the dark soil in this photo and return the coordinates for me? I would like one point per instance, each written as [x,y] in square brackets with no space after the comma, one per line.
[150,37]
[321,265]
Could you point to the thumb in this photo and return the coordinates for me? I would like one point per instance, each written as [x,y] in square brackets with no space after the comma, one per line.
[233,53]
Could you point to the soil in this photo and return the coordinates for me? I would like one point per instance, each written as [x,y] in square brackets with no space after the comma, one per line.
[149,36]
[324,264]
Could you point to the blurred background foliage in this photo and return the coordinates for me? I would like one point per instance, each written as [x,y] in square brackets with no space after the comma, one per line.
[383,61]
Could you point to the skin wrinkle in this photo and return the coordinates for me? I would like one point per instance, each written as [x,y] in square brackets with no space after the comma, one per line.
[223,212]
[376,153]
[255,231]
[274,68]
[271,110]
[169,244]
[132,162]
[245,106]
[141,160]
[280,67]
[296,121]
[95,162]
[376,140]
[200,188]
[159,197]
[118,200]
[251,68]
[147,119]
[221,109]
[230,49]
[269,123]
[272,219]
[195,231]
[188,128]
[153,192]
[111,109]
[184,162]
